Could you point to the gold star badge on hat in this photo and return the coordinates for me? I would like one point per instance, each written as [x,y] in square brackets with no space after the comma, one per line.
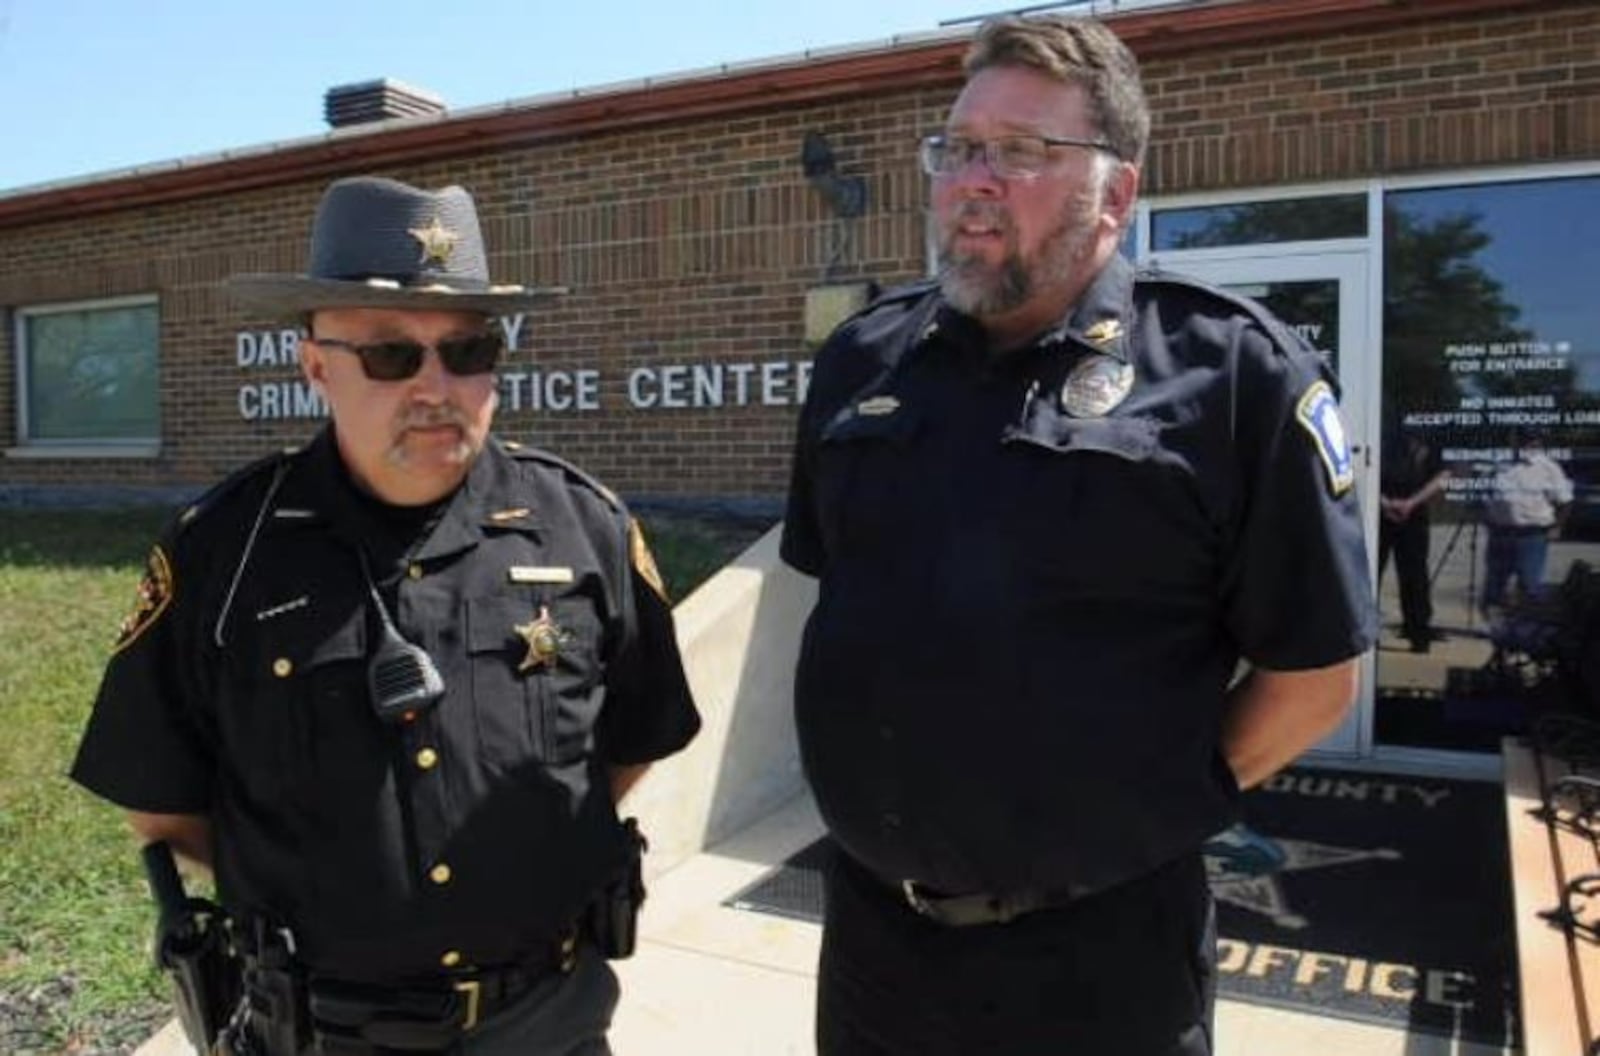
[438,241]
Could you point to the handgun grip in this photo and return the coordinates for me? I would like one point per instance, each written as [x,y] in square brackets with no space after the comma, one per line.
[161,870]
[176,927]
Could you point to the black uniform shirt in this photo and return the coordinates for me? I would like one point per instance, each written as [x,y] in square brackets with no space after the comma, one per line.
[1014,674]
[470,835]
[1409,463]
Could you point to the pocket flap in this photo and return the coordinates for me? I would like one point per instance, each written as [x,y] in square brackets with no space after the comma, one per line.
[492,621]
[347,641]
[851,425]
[1133,439]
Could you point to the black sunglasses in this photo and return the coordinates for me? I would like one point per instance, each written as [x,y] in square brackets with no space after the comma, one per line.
[399,360]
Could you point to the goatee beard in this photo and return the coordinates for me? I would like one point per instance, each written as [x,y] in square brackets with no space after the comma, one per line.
[973,287]
[977,288]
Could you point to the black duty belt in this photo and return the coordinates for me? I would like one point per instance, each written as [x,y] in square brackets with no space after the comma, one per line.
[964,911]
[355,1017]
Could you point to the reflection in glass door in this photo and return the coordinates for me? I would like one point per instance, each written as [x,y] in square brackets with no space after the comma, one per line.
[1491,471]
[1323,297]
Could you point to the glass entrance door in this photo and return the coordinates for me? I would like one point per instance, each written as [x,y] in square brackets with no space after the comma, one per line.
[1324,297]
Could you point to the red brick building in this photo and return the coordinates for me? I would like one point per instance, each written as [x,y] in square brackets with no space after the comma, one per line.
[1416,183]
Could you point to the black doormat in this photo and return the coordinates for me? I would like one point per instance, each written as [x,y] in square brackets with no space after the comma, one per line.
[1373,897]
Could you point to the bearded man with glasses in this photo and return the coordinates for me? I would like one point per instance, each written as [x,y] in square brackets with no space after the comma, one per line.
[390,686]
[1052,502]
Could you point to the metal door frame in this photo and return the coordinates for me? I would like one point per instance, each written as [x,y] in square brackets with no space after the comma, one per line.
[1346,262]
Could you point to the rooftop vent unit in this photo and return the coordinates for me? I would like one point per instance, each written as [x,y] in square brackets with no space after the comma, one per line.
[380,100]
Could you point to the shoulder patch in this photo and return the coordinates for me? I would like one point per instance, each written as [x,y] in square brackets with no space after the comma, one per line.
[155,592]
[1318,414]
[644,562]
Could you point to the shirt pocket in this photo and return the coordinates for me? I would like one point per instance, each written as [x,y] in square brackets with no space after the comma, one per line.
[529,705]
[294,695]
[1092,488]
[1078,454]
[863,487]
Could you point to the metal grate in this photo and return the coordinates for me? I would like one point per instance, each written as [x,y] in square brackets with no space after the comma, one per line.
[793,889]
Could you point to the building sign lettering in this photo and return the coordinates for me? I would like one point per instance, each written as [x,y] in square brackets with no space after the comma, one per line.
[672,386]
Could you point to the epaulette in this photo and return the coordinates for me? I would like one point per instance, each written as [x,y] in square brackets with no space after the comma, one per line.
[209,499]
[524,453]
[1285,339]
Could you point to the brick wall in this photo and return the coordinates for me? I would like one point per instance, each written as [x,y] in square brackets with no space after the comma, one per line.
[694,242]
[1496,90]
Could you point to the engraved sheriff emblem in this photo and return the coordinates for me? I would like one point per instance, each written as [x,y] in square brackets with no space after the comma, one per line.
[1095,386]
[544,638]
[438,241]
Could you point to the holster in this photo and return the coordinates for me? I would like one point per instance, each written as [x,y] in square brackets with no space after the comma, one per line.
[277,1021]
[613,916]
[192,948]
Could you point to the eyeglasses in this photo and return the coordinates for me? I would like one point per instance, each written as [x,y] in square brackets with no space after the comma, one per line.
[399,360]
[1008,157]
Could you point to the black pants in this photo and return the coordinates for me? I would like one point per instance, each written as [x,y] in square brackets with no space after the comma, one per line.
[1126,972]
[1408,541]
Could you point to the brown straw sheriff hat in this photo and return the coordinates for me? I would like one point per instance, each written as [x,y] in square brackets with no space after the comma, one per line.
[380,243]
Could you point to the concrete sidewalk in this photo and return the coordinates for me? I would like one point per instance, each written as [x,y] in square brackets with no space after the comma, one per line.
[713,981]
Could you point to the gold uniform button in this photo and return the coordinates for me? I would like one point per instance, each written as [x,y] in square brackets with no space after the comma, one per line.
[439,874]
[414,571]
[427,758]
[283,667]
[451,958]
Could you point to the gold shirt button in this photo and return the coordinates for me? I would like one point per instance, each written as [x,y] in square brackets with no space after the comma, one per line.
[427,758]
[439,874]
[451,958]
[414,571]
[283,667]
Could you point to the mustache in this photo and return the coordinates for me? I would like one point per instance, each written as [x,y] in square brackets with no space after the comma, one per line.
[427,417]
[992,214]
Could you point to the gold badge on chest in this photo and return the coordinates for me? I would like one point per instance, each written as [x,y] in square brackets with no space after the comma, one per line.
[544,638]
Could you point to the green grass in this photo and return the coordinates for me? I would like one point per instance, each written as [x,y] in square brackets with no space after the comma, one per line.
[72,898]
[689,549]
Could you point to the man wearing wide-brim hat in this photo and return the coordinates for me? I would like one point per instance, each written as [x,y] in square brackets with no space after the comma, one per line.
[390,685]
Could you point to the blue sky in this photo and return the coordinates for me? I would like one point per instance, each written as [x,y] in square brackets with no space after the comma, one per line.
[88,86]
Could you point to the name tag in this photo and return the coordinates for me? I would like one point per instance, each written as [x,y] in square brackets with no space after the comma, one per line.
[540,574]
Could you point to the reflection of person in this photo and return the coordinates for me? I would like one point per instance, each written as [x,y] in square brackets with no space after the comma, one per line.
[430,849]
[1528,499]
[1410,476]
[1049,502]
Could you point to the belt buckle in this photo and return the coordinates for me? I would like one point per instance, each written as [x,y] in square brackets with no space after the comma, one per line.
[914,899]
[473,990]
